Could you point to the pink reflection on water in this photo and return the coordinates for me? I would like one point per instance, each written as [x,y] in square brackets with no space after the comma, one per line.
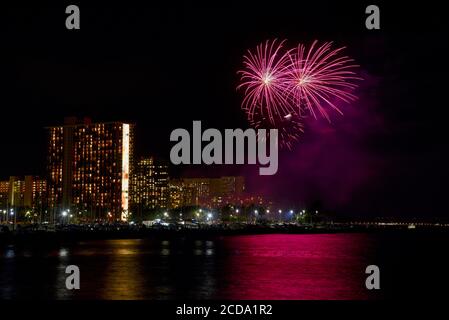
[299,267]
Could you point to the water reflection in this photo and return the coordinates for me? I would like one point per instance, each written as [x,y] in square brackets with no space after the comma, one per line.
[63,252]
[296,267]
[238,267]
[123,277]
[10,253]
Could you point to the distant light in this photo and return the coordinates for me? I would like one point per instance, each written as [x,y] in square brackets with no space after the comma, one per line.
[63,252]
[71,216]
[64,213]
[236,210]
[280,211]
[256,212]
[165,214]
[209,215]
[291,211]
[201,210]
[268,211]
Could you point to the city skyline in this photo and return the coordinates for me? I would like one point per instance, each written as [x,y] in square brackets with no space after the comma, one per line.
[218,159]
[396,149]
[93,175]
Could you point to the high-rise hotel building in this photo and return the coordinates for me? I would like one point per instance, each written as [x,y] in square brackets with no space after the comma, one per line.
[89,167]
[150,184]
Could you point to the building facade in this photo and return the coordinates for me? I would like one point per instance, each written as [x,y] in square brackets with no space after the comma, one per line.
[150,184]
[175,193]
[89,168]
[4,194]
[14,192]
[35,196]
[206,192]
[23,196]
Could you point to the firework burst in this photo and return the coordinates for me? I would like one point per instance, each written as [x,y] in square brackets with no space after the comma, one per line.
[283,86]
[319,77]
[264,81]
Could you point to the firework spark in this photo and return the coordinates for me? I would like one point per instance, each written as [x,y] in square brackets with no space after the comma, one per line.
[264,80]
[319,77]
[290,128]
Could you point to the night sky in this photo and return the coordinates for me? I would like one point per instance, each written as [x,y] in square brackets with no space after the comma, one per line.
[163,67]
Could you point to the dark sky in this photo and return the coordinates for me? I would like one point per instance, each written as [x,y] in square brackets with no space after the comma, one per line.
[164,66]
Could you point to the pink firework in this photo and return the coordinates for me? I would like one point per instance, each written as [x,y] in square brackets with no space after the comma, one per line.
[265,83]
[319,78]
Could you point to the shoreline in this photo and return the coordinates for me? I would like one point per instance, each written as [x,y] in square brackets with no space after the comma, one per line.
[150,233]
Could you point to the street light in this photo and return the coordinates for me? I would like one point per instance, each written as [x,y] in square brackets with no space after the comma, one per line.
[15,219]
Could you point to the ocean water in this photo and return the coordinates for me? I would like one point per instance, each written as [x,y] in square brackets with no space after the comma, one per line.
[275,266]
